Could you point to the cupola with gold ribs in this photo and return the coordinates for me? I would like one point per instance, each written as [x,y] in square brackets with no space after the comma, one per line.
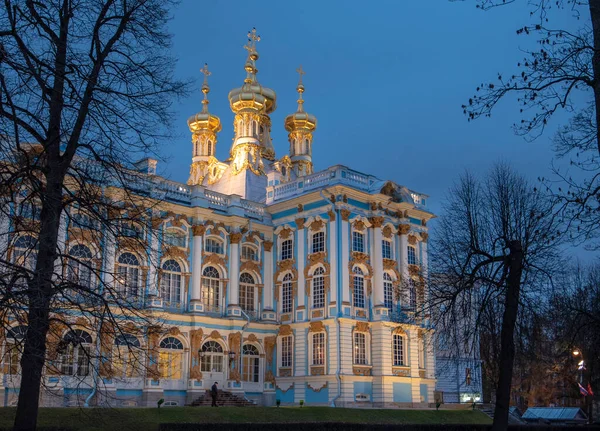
[204,127]
[300,126]
[252,103]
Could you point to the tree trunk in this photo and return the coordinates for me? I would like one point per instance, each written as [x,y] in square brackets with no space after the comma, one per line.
[595,15]
[39,296]
[507,344]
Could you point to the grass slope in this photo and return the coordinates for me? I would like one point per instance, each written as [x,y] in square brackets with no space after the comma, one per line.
[148,418]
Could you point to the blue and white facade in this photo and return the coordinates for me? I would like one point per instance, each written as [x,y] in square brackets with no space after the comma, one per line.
[311,280]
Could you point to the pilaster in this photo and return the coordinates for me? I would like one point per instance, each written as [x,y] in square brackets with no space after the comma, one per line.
[301,257]
[233,308]
[345,259]
[197,245]
[377,262]
[333,260]
[268,313]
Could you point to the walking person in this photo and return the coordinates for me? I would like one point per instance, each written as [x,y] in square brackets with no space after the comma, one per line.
[213,394]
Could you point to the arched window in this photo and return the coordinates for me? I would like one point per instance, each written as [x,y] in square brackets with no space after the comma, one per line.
[170,361]
[284,171]
[211,289]
[249,253]
[358,241]
[211,357]
[25,252]
[11,358]
[359,288]
[251,361]
[79,268]
[287,249]
[75,353]
[388,291]
[318,288]
[399,350]
[247,293]
[412,255]
[213,245]
[286,294]
[318,242]
[128,275]
[360,348]
[386,249]
[170,283]
[318,348]
[127,356]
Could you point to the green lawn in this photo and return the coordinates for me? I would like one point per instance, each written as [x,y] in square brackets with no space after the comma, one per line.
[148,418]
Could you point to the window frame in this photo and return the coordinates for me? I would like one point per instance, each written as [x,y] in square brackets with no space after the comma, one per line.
[358,241]
[411,255]
[214,244]
[318,242]
[171,284]
[211,289]
[318,288]
[399,347]
[359,348]
[387,245]
[358,285]
[318,357]
[287,249]
[287,294]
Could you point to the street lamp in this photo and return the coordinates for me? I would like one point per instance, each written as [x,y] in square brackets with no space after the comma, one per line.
[581,368]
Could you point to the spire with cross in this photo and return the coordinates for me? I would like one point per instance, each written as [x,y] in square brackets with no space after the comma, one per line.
[300,88]
[205,87]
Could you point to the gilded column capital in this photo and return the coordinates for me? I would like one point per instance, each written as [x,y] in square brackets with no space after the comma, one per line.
[376,221]
[235,238]
[403,229]
[331,215]
[345,214]
[424,236]
[268,245]
[300,223]
[198,230]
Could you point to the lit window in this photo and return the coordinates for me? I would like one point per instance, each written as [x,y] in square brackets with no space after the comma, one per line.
[388,289]
[386,249]
[412,255]
[359,288]
[211,289]
[358,242]
[213,246]
[286,294]
[246,301]
[360,348]
[249,253]
[251,365]
[318,242]
[75,354]
[127,356]
[170,283]
[318,347]
[399,343]
[287,249]
[318,288]
[286,351]
[170,358]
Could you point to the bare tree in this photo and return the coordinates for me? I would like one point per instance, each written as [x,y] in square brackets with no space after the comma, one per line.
[496,243]
[86,88]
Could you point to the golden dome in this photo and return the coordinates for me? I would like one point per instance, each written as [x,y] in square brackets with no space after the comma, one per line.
[204,120]
[300,119]
[252,95]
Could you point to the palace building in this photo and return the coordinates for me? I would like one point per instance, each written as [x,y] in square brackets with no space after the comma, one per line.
[278,282]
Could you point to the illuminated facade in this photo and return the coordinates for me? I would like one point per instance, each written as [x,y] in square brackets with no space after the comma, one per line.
[312,279]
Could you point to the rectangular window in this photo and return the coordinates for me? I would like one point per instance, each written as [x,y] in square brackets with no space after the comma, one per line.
[249,253]
[286,351]
[318,242]
[399,351]
[287,249]
[359,292]
[358,242]
[247,298]
[318,291]
[318,345]
[386,249]
[412,255]
[360,349]
[286,297]
[213,246]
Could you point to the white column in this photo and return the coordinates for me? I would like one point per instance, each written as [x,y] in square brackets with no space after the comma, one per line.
[424,267]
[61,243]
[333,251]
[268,276]
[403,230]
[197,242]
[413,339]
[377,262]
[4,230]
[301,255]
[345,259]
[153,270]
[233,308]
[110,249]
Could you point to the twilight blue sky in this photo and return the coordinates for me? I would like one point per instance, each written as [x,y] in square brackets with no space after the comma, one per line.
[385,79]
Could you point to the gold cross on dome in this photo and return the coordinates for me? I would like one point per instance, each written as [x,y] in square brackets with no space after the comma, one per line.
[206,73]
[252,39]
[300,72]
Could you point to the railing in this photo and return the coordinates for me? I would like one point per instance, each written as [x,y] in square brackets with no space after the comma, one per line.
[217,199]
[253,207]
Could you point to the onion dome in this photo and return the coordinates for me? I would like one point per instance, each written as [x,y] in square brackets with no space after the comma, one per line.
[204,120]
[252,95]
[300,120]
